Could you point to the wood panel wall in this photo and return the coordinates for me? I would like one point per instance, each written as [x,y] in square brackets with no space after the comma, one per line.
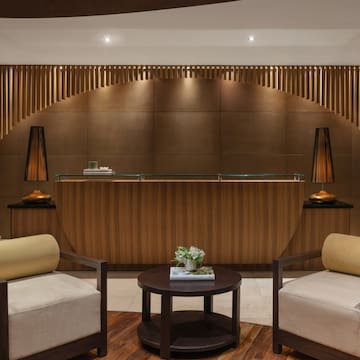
[316,224]
[143,222]
[27,89]
[26,222]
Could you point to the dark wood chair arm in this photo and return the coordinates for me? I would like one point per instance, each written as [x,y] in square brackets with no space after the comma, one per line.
[99,265]
[4,321]
[281,262]
[83,260]
[287,260]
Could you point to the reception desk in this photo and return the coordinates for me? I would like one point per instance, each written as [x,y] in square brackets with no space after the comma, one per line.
[140,220]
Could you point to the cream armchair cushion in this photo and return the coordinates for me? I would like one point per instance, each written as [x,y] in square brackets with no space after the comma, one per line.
[341,253]
[50,310]
[323,307]
[49,314]
[319,314]
[28,255]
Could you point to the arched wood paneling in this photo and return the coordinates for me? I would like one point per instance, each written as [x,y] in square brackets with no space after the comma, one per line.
[27,89]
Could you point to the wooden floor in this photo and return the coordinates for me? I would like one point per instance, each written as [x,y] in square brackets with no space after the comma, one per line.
[124,344]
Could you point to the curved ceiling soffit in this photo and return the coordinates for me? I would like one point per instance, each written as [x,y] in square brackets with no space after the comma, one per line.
[61,8]
[28,89]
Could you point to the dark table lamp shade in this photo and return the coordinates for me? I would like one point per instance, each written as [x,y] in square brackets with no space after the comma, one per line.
[36,163]
[323,167]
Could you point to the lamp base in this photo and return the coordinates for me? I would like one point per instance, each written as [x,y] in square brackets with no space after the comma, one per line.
[37,196]
[322,197]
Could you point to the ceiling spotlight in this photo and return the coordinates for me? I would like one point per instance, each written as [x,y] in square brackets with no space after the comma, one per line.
[107,39]
[251,38]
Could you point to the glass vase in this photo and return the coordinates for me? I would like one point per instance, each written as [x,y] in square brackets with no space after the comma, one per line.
[190,265]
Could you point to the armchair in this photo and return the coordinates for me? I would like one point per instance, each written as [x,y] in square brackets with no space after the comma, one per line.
[319,314]
[45,314]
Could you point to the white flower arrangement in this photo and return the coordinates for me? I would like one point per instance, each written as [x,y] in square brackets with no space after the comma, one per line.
[193,253]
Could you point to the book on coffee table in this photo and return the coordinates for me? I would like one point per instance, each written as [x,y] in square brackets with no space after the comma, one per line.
[203,273]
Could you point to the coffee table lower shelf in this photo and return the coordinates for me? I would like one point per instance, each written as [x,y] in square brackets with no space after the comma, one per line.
[191,331]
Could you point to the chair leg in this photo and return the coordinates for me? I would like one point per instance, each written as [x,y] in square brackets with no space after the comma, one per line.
[102,351]
[4,321]
[277,348]
[277,285]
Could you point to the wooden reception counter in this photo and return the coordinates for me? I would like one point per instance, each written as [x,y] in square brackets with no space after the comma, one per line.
[141,220]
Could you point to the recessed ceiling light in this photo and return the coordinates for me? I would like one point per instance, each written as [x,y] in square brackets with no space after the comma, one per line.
[107,39]
[251,38]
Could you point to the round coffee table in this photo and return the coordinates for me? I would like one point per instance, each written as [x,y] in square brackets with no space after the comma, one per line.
[188,331]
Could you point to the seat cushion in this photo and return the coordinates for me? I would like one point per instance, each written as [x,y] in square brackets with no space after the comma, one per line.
[50,310]
[323,307]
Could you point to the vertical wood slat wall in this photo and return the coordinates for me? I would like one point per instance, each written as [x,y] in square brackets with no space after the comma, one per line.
[27,89]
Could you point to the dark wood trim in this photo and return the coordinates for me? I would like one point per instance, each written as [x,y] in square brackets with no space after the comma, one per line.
[332,205]
[84,260]
[102,287]
[281,337]
[68,350]
[277,285]
[208,304]
[41,205]
[311,348]
[57,8]
[146,305]
[165,327]
[292,259]
[4,321]
[235,318]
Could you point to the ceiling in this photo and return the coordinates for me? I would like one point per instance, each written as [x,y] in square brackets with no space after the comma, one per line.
[285,31]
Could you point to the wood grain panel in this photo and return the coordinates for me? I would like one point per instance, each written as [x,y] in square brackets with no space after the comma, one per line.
[315,225]
[143,222]
[27,89]
[33,222]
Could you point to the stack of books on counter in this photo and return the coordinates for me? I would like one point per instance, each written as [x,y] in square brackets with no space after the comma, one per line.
[102,170]
[203,273]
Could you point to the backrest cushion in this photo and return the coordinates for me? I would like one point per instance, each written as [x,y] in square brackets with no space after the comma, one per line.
[342,253]
[30,255]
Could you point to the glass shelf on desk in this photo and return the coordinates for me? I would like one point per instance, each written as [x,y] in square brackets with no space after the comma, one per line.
[183,177]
